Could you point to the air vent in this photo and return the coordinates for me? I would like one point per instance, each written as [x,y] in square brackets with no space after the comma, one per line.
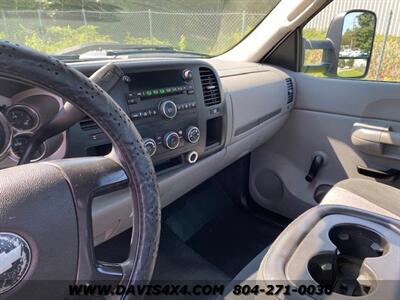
[290,90]
[87,124]
[210,86]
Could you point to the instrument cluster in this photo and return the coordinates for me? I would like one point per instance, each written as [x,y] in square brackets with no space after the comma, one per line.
[21,120]
[21,115]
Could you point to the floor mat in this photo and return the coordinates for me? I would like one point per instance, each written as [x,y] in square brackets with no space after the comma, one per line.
[204,236]
[233,239]
[192,211]
[178,262]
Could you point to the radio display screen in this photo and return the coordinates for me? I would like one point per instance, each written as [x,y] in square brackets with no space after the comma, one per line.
[156,80]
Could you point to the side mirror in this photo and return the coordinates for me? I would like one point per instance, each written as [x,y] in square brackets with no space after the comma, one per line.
[357,32]
[347,50]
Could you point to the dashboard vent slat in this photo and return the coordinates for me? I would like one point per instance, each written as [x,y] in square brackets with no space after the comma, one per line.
[87,124]
[211,91]
[290,90]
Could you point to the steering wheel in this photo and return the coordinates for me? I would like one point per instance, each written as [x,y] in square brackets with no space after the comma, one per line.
[46,239]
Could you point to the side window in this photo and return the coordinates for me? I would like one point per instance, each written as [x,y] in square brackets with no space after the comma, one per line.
[360,31]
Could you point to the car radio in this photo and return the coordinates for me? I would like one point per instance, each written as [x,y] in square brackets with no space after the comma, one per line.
[163,106]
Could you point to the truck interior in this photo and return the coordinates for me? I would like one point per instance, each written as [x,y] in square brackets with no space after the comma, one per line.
[150,165]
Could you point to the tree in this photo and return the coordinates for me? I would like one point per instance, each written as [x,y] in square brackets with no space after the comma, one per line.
[347,38]
[364,33]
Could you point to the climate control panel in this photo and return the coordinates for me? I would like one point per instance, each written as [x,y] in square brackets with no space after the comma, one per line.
[171,140]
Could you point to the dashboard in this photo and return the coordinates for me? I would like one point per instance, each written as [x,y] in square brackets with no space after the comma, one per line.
[195,116]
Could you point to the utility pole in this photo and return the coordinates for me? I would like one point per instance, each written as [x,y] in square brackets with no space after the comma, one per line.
[39,13]
[3,14]
[150,26]
[382,55]
[242,32]
[85,24]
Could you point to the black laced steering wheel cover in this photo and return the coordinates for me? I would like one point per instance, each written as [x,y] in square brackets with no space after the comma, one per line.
[39,70]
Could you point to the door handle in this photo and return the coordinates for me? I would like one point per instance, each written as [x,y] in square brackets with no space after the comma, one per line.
[376,140]
[376,134]
[390,174]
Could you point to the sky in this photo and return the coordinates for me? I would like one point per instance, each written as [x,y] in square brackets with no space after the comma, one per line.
[349,20]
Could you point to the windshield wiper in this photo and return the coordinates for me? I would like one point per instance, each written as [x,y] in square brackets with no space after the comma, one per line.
[84,48]
[136,48]
[67,58]
[95,51]
[151,49]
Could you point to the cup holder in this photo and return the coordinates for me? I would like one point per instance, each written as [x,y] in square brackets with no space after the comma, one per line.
[344,271]
[357,241]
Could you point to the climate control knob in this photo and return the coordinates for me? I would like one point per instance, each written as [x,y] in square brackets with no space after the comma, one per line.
[171,140]
[192,134]
[151,146]
[168,109]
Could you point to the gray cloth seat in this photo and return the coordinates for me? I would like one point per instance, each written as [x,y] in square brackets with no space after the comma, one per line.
[365,194]
[358,193]
[247,275]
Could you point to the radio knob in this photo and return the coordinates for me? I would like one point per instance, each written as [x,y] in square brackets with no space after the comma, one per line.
[168,109]
[171,140]
[151,146]
[192,134]
[187,75]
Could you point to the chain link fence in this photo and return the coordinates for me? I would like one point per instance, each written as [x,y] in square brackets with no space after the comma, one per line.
[201,32]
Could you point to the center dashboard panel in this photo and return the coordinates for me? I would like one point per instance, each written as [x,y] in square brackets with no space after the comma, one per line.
[176,107]
[163,106]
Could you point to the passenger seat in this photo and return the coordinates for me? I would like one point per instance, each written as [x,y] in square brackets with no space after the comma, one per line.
[365,194]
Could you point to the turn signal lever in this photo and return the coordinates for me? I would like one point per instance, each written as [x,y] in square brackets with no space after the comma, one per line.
[106,77]
[316,165]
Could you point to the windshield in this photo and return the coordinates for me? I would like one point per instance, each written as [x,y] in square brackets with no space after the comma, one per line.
[88,28]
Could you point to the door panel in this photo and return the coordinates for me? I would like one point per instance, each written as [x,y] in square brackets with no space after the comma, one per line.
[325,120]
[369,99]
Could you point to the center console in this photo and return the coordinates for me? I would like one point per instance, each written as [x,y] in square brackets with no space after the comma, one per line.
[178,109]
[350,252]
